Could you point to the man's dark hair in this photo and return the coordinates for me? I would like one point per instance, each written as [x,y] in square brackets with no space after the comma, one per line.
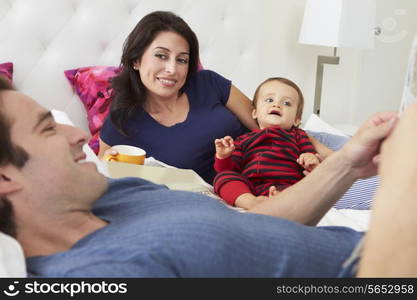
[9,154]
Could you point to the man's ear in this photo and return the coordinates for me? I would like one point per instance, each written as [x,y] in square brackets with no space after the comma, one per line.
[7,184]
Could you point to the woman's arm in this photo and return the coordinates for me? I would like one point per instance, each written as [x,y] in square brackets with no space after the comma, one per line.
[241,107]
[102,148]
[320,148]
[308,200]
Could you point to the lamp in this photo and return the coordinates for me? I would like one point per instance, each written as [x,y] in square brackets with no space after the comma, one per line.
[336,23]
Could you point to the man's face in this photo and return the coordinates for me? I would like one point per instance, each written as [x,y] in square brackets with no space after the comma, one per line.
[55,176]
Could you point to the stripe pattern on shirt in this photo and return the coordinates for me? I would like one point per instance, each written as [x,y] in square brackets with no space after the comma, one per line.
[268,157]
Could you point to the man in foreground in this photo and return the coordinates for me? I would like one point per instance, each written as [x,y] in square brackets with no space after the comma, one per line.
[71,221]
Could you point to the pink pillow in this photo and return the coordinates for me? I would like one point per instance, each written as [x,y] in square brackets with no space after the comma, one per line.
[93,86]
[6,69]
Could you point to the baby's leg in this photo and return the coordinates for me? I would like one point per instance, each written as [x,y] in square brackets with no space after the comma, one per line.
[230,186]
[272,191]
[248,200]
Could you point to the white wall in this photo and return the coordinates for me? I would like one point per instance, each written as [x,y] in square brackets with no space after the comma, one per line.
[245,40]
[381,76]
[45,37]
[364,82]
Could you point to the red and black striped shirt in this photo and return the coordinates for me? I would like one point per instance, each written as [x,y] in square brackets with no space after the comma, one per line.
[268,156]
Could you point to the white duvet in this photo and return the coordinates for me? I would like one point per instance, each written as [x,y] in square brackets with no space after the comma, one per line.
[355,219]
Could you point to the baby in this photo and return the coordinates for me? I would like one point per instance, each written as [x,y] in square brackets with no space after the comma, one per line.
[265,161]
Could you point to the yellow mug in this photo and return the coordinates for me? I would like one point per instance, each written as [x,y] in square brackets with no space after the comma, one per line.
[127,154]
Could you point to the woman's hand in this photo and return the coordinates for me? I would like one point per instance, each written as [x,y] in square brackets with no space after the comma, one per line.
[321,149]
[224,147]
[109,153]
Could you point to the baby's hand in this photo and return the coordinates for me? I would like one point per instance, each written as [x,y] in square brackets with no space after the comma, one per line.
[308,161]
[224,147]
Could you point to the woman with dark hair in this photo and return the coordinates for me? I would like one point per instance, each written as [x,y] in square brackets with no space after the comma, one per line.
[162,104]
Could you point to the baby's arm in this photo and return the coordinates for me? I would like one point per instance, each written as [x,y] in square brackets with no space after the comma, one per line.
[308,161]
[224,147]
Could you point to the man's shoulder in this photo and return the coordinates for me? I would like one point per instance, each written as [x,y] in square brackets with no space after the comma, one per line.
[124,189]
[132,182]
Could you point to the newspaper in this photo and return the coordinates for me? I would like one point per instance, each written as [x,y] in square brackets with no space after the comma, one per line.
[162,173]
[410,86]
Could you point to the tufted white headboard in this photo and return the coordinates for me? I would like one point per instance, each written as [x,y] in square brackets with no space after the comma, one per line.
[45,37]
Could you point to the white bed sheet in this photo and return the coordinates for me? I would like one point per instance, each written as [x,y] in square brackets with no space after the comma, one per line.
[355,219]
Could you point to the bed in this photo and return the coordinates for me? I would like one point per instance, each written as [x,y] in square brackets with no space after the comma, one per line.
[44,42]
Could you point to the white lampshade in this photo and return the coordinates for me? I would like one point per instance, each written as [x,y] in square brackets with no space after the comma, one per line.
[339,23]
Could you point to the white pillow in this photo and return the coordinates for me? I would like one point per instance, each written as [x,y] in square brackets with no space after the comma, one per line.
[12,260]
[315,123]
[62,118]
[361,193]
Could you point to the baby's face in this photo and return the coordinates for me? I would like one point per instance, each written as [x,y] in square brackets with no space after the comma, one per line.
[276,106]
